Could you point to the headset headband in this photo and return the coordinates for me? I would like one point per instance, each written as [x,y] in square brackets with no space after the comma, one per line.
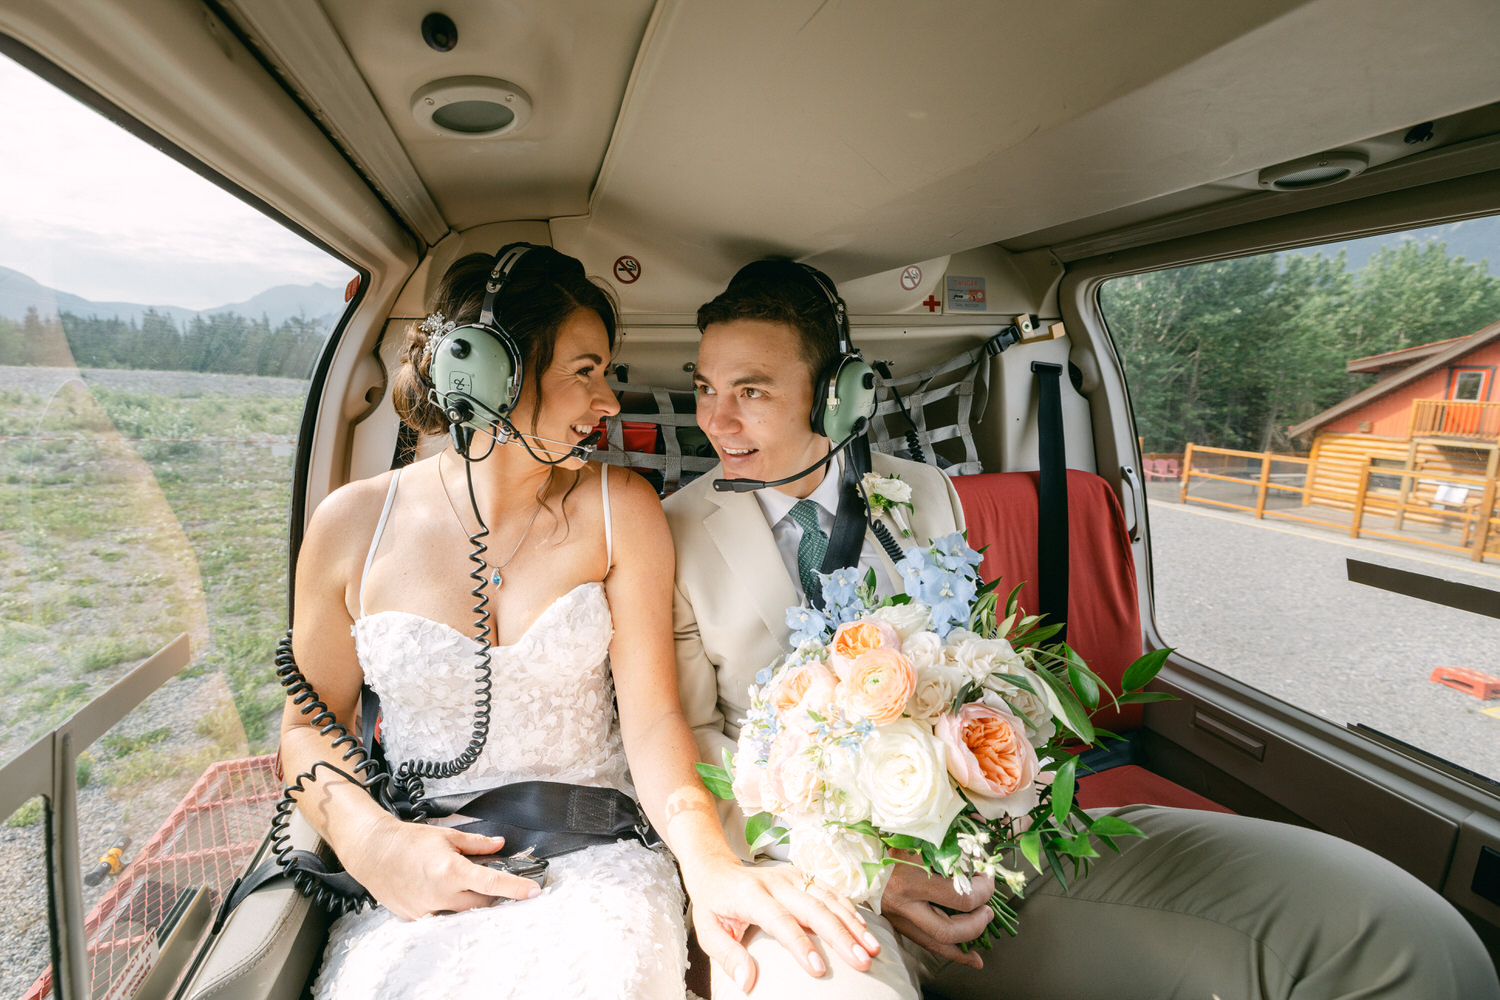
[840,314]
[505,260]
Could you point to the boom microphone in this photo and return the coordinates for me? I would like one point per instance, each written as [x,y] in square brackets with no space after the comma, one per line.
[460,408]
[750,485]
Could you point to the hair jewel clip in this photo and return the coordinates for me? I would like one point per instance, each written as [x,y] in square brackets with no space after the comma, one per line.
[435,326]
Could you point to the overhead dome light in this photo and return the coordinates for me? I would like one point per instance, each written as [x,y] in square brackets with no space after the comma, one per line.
[472,107]
[1318,170]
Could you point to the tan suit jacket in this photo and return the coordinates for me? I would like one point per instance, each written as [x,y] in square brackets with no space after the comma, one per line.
[732,592]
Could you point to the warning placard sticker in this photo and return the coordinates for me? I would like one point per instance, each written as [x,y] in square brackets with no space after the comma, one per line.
[965,294]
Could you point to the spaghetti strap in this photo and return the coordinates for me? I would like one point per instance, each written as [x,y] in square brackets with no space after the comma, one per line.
[385,512]
[609,535]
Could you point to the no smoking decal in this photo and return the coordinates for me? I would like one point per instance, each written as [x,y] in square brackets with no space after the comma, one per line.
[911,277]
[627,270]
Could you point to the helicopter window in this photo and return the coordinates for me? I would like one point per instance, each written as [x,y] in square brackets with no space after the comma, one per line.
[1301,403]
[156,340]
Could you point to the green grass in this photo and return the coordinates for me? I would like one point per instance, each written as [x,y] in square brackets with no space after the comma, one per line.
[110,546]
[30,814]
[122,744]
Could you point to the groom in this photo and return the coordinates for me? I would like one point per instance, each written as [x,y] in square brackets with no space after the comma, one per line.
[1208,905]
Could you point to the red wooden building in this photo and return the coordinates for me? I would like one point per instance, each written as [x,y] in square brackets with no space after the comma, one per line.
[1423,442]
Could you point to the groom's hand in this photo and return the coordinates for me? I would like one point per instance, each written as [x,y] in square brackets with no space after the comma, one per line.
[912,904]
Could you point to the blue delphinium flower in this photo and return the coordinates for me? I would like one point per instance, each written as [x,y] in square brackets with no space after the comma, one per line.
[949,593]
[841,600]
[911,568]
[806,624]
[953,552]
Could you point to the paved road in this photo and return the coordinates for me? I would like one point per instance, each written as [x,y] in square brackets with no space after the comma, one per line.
[1270,603]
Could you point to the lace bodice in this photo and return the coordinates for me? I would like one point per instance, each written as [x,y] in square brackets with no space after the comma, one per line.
[552,710]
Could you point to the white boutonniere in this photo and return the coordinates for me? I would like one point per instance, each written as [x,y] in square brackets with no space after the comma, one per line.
[888,496]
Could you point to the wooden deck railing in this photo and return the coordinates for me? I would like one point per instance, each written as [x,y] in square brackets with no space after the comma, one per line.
[1455,418]
[1262,481]
[1477,515]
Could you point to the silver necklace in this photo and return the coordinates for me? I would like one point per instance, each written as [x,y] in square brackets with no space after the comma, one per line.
[495,578]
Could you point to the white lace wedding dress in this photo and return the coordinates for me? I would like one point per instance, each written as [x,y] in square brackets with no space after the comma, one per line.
[609,922]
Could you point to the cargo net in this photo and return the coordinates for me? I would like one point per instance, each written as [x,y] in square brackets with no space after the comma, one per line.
[656,431]
[656,434]
[203,846]
[929,416]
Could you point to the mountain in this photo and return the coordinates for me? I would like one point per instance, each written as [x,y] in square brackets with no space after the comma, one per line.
[321,303]
[1472,239]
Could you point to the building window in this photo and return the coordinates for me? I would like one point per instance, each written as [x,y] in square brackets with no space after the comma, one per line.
[1470,383]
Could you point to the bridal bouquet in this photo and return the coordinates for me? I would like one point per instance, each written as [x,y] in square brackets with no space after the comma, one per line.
[934,728]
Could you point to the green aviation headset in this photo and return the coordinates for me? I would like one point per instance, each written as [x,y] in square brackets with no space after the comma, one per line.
[476,369]
[476,372]
[844,391]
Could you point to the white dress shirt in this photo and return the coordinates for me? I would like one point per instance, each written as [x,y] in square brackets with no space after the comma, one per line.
[777,507]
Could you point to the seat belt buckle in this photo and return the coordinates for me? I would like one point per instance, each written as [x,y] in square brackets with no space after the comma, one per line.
[1005,338]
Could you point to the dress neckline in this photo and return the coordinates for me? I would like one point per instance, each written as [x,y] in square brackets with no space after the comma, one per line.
[465,635]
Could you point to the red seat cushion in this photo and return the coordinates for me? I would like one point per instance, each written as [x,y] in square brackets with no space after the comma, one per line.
[1104,621]
[1130,783]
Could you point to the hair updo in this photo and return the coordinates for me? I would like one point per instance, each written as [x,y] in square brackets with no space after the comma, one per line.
[543,289]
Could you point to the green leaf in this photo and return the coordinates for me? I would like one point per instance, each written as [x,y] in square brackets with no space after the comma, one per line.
[1014,600]
[1114,826]
[1077,847]
[1022,681]
[1055,863]
[1038,635]
[902,842]
[757,826]
[1062,789]
[1144,670]
[1073,714]
[715,779]
[1084,683]
[1141,697]
[872,869]
[1031,847]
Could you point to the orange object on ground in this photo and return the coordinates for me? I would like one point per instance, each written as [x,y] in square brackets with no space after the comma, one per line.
[1469,681]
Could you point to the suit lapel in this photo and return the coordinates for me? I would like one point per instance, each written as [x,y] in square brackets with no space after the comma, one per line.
[738,528]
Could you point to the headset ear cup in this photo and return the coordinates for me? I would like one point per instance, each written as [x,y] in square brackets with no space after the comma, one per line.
[479,364]
[844,399]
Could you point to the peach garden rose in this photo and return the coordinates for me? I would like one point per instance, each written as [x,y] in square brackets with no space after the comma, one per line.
[990,757]
[877,686]
[854,639]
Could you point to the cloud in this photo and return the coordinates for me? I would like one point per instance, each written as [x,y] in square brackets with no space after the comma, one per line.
[93,210]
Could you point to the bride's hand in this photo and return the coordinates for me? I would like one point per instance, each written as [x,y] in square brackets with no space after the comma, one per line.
[731,898]
[413,869]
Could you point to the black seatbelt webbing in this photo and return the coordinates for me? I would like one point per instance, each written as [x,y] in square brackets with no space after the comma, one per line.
[1052,499]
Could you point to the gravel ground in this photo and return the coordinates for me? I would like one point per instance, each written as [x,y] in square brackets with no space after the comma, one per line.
[1270,603]
[47,380]
[105,813]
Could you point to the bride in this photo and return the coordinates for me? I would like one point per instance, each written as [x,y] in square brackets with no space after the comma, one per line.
[577,577]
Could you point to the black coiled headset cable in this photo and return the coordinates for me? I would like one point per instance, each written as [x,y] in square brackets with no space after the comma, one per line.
[402,793]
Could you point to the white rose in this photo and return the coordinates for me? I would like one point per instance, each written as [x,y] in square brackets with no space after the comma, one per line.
[980,657]
[904,771]
[843,799]
[923,649]
[937,685]
[907,619]
[1039,725]
[891,490]
[834,857]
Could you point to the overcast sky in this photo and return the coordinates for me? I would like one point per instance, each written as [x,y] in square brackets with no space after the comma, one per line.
[89,209]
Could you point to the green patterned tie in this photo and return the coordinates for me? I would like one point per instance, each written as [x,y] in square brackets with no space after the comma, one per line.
[811,549]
